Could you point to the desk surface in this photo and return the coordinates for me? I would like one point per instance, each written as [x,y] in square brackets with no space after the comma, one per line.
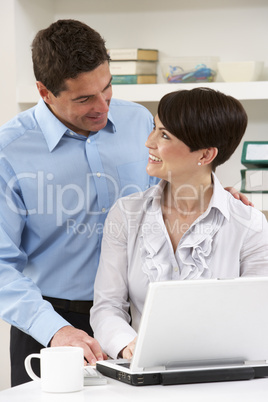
[114,391]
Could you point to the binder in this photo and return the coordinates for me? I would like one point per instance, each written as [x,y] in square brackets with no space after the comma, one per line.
[254,180]
[255,154]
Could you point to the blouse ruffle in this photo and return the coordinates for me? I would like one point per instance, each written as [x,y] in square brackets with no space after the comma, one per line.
[192,255]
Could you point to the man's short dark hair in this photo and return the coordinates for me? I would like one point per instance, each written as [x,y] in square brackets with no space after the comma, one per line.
[64,50]
[204,118]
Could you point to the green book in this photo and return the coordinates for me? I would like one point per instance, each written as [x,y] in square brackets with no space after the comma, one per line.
[134,79]
[255,154]
[254,180]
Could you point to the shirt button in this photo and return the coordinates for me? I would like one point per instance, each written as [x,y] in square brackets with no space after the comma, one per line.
[88,141]
[103,210]
[176,269]
[71,133]
[98,174]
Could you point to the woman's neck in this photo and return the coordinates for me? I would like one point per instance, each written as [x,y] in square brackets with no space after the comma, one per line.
[183,203]
[188,198]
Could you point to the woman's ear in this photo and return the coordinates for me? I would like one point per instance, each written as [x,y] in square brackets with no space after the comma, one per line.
[208,155]
[44,92]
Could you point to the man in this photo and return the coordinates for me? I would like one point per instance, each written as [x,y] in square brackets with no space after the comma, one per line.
[63,163]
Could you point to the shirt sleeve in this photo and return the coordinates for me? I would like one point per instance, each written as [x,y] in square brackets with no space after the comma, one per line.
[21,304]
[110,318]
[254,253]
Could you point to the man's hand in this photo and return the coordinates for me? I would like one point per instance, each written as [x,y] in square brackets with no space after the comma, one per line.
[70,336]
[127,353]
[239,196]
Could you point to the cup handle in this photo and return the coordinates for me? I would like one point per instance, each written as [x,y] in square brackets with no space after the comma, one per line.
[28,367]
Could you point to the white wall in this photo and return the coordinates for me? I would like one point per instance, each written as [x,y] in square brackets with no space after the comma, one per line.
[8,109]
[229,29]
[4,353]
[8,66]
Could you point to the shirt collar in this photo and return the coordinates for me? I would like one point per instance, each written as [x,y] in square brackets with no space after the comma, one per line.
[219,199]
[111,124]
[53,129]
[155,195]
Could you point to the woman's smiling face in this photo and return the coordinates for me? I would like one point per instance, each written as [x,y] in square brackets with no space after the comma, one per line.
[168,156]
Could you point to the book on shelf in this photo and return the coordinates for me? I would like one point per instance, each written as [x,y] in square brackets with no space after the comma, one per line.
[133,54]
[254,180]
[255,154]
[133,67]
[134,79]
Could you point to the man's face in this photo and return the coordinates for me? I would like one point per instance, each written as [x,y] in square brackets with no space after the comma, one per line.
[84,105]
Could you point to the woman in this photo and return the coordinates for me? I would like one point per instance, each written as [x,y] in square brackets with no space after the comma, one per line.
[187,227]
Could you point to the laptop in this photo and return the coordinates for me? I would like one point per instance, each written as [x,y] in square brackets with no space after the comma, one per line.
[198,331]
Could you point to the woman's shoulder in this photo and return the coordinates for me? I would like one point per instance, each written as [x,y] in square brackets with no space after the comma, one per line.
[235,210]
[248,216]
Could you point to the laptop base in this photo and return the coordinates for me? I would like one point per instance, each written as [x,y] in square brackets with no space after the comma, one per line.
[185,377]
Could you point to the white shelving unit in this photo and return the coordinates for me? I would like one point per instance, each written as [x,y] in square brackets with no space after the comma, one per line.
[154,92]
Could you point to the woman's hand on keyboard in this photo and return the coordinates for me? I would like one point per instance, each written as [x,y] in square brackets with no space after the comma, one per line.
[127,353]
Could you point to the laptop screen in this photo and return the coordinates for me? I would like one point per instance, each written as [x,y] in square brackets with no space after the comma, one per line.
[202,322]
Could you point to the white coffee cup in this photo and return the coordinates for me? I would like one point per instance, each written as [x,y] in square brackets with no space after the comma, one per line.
[61,368]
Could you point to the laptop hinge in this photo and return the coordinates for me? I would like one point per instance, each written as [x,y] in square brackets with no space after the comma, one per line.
[205,363]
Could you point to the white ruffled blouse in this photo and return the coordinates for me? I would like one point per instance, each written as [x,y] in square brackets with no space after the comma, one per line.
[228,240]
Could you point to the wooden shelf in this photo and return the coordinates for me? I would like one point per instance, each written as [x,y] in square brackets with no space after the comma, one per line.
[154,92]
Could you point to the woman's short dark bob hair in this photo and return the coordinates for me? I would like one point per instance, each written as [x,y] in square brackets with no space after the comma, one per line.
[203,118]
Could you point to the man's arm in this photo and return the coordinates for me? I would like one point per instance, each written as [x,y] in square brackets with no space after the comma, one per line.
[22,304]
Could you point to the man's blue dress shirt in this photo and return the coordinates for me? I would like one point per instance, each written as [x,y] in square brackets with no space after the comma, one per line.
[56,189]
